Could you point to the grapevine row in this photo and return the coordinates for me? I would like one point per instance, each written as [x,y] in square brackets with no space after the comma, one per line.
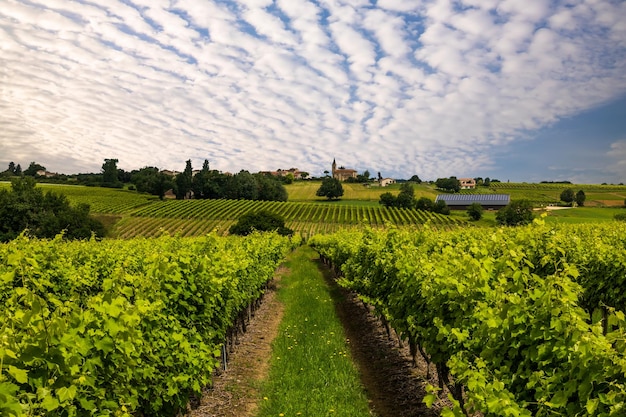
[517,322]
[122,327]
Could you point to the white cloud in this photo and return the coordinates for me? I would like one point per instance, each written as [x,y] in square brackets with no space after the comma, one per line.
[400,87]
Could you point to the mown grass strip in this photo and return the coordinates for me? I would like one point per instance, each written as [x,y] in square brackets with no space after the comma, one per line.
[312,373]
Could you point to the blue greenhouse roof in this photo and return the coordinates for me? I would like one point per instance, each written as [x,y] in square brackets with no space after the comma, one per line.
[467,199]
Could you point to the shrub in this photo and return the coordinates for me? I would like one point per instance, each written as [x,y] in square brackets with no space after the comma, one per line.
[262,221]
[441,207]
[475,211]
[620,217]
[517,213]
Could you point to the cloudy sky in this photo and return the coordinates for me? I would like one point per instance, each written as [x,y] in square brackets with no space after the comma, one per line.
[519,90]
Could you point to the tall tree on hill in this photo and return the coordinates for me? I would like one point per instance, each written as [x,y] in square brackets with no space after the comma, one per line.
[199,182]
[109,174]
[580,198]
[183,182]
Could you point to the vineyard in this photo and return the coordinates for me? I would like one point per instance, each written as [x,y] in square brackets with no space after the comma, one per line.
[123,328]
[516,322]
[196,217]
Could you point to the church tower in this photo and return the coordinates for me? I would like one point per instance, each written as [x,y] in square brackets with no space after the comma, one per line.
[334,168]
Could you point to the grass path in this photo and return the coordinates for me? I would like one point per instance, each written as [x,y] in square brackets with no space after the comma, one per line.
[311,370]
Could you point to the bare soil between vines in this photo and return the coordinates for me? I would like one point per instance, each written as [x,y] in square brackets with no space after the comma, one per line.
[395,387]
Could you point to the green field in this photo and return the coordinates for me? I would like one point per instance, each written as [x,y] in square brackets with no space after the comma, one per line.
[128,214]
[583,215]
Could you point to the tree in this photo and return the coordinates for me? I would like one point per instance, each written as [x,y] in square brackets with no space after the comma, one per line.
[567,196]
[487,182]
[364,177]
[475,211]
[33,168]
[441,207]
[406,197]
[11,168]
[388,200]
[416,179]
[425,203]
[518,212]
[580,198]
[243,186]
[331,188]
[448,184]
[109,174]
[27,208]
[183,182]
[199,182]
[18,170]
[150,180]
[262,221]
[270,188]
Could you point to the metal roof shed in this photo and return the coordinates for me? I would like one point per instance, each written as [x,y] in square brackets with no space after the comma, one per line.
[463,201]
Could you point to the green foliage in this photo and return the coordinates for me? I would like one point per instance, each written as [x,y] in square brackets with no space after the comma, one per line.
[261,221]
[441,207]
[425,203]
[620,217]
[150,180]
[330,188]
[26,207]
[580,198]
[183,182]
[405,199]
[110,174]
[475,211]
[448,184]
[121,327]
[415,179]
[567,195]
[33,168]
[244,186]
[518,212]
[388,200]
[519,322]
[271,188]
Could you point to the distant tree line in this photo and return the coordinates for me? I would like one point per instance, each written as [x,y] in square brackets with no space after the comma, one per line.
[204,184]
[208,183]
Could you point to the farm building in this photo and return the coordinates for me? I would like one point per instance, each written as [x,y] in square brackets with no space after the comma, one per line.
[463,201]
[467,183]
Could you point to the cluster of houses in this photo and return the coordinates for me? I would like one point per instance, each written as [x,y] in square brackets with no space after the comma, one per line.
[453,201]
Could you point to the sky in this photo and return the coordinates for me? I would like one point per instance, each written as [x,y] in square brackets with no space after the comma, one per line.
[518,90]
